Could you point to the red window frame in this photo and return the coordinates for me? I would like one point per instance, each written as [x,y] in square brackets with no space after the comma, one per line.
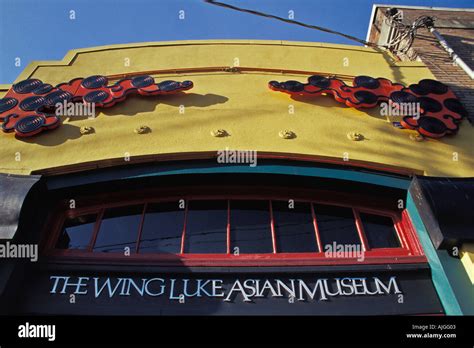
[410,250]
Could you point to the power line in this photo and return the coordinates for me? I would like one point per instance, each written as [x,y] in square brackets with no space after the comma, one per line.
[262,14]
[404,34]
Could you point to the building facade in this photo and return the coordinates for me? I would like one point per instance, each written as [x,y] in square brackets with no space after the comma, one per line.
[234,177]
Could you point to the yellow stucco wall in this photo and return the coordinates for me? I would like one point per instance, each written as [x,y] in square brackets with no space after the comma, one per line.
[240,103]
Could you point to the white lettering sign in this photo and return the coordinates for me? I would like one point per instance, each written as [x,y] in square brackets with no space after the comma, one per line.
[319,289]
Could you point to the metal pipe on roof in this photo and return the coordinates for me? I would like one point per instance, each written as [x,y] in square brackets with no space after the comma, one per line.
[452,53]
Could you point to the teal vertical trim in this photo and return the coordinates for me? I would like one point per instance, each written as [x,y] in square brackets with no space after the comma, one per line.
[459,280]
[440,279]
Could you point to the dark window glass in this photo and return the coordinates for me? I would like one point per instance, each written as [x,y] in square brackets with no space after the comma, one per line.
[250,227]
[77,232]
[294,229]
[119,229]
[206,227]
[162,228]
[379,231]
[336,224]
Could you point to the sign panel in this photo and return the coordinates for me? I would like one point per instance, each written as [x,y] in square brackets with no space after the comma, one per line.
[224,293]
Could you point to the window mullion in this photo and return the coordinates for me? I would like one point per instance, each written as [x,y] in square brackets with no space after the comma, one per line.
[183,236]
[316,230]
[228,226]
[140,228]
[96,230]
[360,230]
[272,227]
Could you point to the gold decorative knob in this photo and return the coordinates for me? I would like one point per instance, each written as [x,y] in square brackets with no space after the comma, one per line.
[86,130]
[142,130]
[287,134]
[219,133]
[417,137]
[354,136]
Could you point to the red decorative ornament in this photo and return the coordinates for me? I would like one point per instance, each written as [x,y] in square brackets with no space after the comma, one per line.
[29,106]
[440,110]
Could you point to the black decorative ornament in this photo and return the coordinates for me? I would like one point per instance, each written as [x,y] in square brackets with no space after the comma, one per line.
[30,124]
[403,97]
[167,86]
[432,125]
[96,97]
[57,97]
[293,86]
[95,81]
[7,104]
[142,81]
[433,86]
[455,106]
[32,95]
[43,89]
[433,109]
[366,82]
[319,81]
[366,97]
[430,105]
[418,89]
[26,86]
[32,103]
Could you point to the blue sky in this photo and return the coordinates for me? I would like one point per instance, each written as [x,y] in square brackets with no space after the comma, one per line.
[42,29]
